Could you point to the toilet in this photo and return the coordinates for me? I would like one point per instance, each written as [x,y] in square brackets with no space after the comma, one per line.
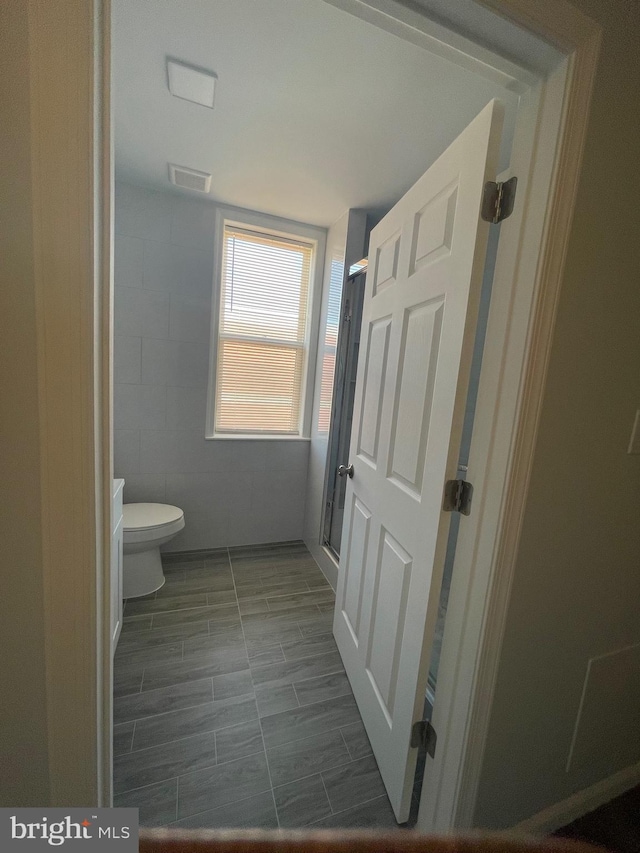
[145,528]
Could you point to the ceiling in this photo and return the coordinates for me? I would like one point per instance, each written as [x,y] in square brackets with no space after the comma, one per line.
[316,111]
[490,29]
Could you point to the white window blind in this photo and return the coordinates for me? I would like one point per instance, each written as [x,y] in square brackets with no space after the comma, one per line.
[262,338]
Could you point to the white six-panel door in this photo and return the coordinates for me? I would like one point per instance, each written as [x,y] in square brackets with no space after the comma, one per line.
[426,261]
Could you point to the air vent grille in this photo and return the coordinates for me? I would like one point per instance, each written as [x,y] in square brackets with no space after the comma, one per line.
[189,179]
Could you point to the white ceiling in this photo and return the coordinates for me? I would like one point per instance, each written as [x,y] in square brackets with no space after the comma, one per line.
[316,111]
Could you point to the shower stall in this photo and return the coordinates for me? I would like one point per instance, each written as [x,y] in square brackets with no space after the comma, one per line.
[342,410]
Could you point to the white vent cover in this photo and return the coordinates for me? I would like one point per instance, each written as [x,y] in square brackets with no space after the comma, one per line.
[189,179]
[193,84]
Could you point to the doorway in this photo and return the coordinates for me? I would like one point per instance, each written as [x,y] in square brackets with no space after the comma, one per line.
[85,476]
[159,237]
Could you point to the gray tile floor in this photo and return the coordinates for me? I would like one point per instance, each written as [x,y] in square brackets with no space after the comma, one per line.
[232,707]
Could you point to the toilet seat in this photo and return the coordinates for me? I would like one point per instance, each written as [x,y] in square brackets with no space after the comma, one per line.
[147,521]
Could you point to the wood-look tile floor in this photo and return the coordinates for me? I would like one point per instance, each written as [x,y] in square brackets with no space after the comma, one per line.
[232,708]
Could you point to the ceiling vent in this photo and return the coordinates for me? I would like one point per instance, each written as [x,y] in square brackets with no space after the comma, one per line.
[189,179]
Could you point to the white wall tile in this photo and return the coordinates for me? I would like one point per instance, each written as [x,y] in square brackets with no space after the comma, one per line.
[127,261]
[126,406]
[126,451]
[180,363]
[268,524]
[140,406]
[127,305]
[316,474]
[144,488]
[289,455]
[176,269]
[242,455]
[249,529]
[189,367]
[284,490]
[207,492]
[152,407]
[201,530]
[191,492]
[186,408]
[218,458]
[285,523]
[190,319]
[141,312]
[171,451]
[153,452]
[143,213]
[287,526]
[156,355]
[199,274]
[126,358]
[234,489]
[193,224]
[163,266]
[155,314]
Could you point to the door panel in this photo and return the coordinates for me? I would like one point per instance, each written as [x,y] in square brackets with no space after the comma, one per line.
[418,330]
[357,544]
[433,229]
[386,263]
[391,588]
[415,383]
[373,398]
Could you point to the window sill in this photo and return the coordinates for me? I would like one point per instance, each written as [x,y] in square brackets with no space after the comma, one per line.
[231,437]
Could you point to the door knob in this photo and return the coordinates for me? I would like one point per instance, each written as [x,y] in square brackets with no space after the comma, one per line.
[345,469]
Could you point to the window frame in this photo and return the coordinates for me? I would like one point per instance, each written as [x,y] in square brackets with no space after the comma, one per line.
[278,227]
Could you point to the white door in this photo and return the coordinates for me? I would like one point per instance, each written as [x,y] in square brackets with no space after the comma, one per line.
[426,261]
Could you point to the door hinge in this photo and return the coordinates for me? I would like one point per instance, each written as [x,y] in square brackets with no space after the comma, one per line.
[498,200]
[457,496]
[424,735]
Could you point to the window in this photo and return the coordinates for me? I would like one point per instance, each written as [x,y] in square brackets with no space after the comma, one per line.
[263,333]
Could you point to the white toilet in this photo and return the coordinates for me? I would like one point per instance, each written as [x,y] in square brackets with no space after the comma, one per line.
[145,528]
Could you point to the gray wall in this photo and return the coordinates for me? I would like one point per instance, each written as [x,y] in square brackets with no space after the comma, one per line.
[576,590]
[233,491]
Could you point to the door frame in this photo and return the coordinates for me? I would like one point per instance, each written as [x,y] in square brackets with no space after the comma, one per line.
[529,272]
[70,191]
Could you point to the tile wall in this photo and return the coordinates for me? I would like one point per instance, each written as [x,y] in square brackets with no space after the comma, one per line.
[233,492]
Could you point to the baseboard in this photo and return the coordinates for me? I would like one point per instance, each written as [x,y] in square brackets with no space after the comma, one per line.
[203,553]
[581,803]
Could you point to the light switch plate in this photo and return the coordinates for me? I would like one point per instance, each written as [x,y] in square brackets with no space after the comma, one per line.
[634,444]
